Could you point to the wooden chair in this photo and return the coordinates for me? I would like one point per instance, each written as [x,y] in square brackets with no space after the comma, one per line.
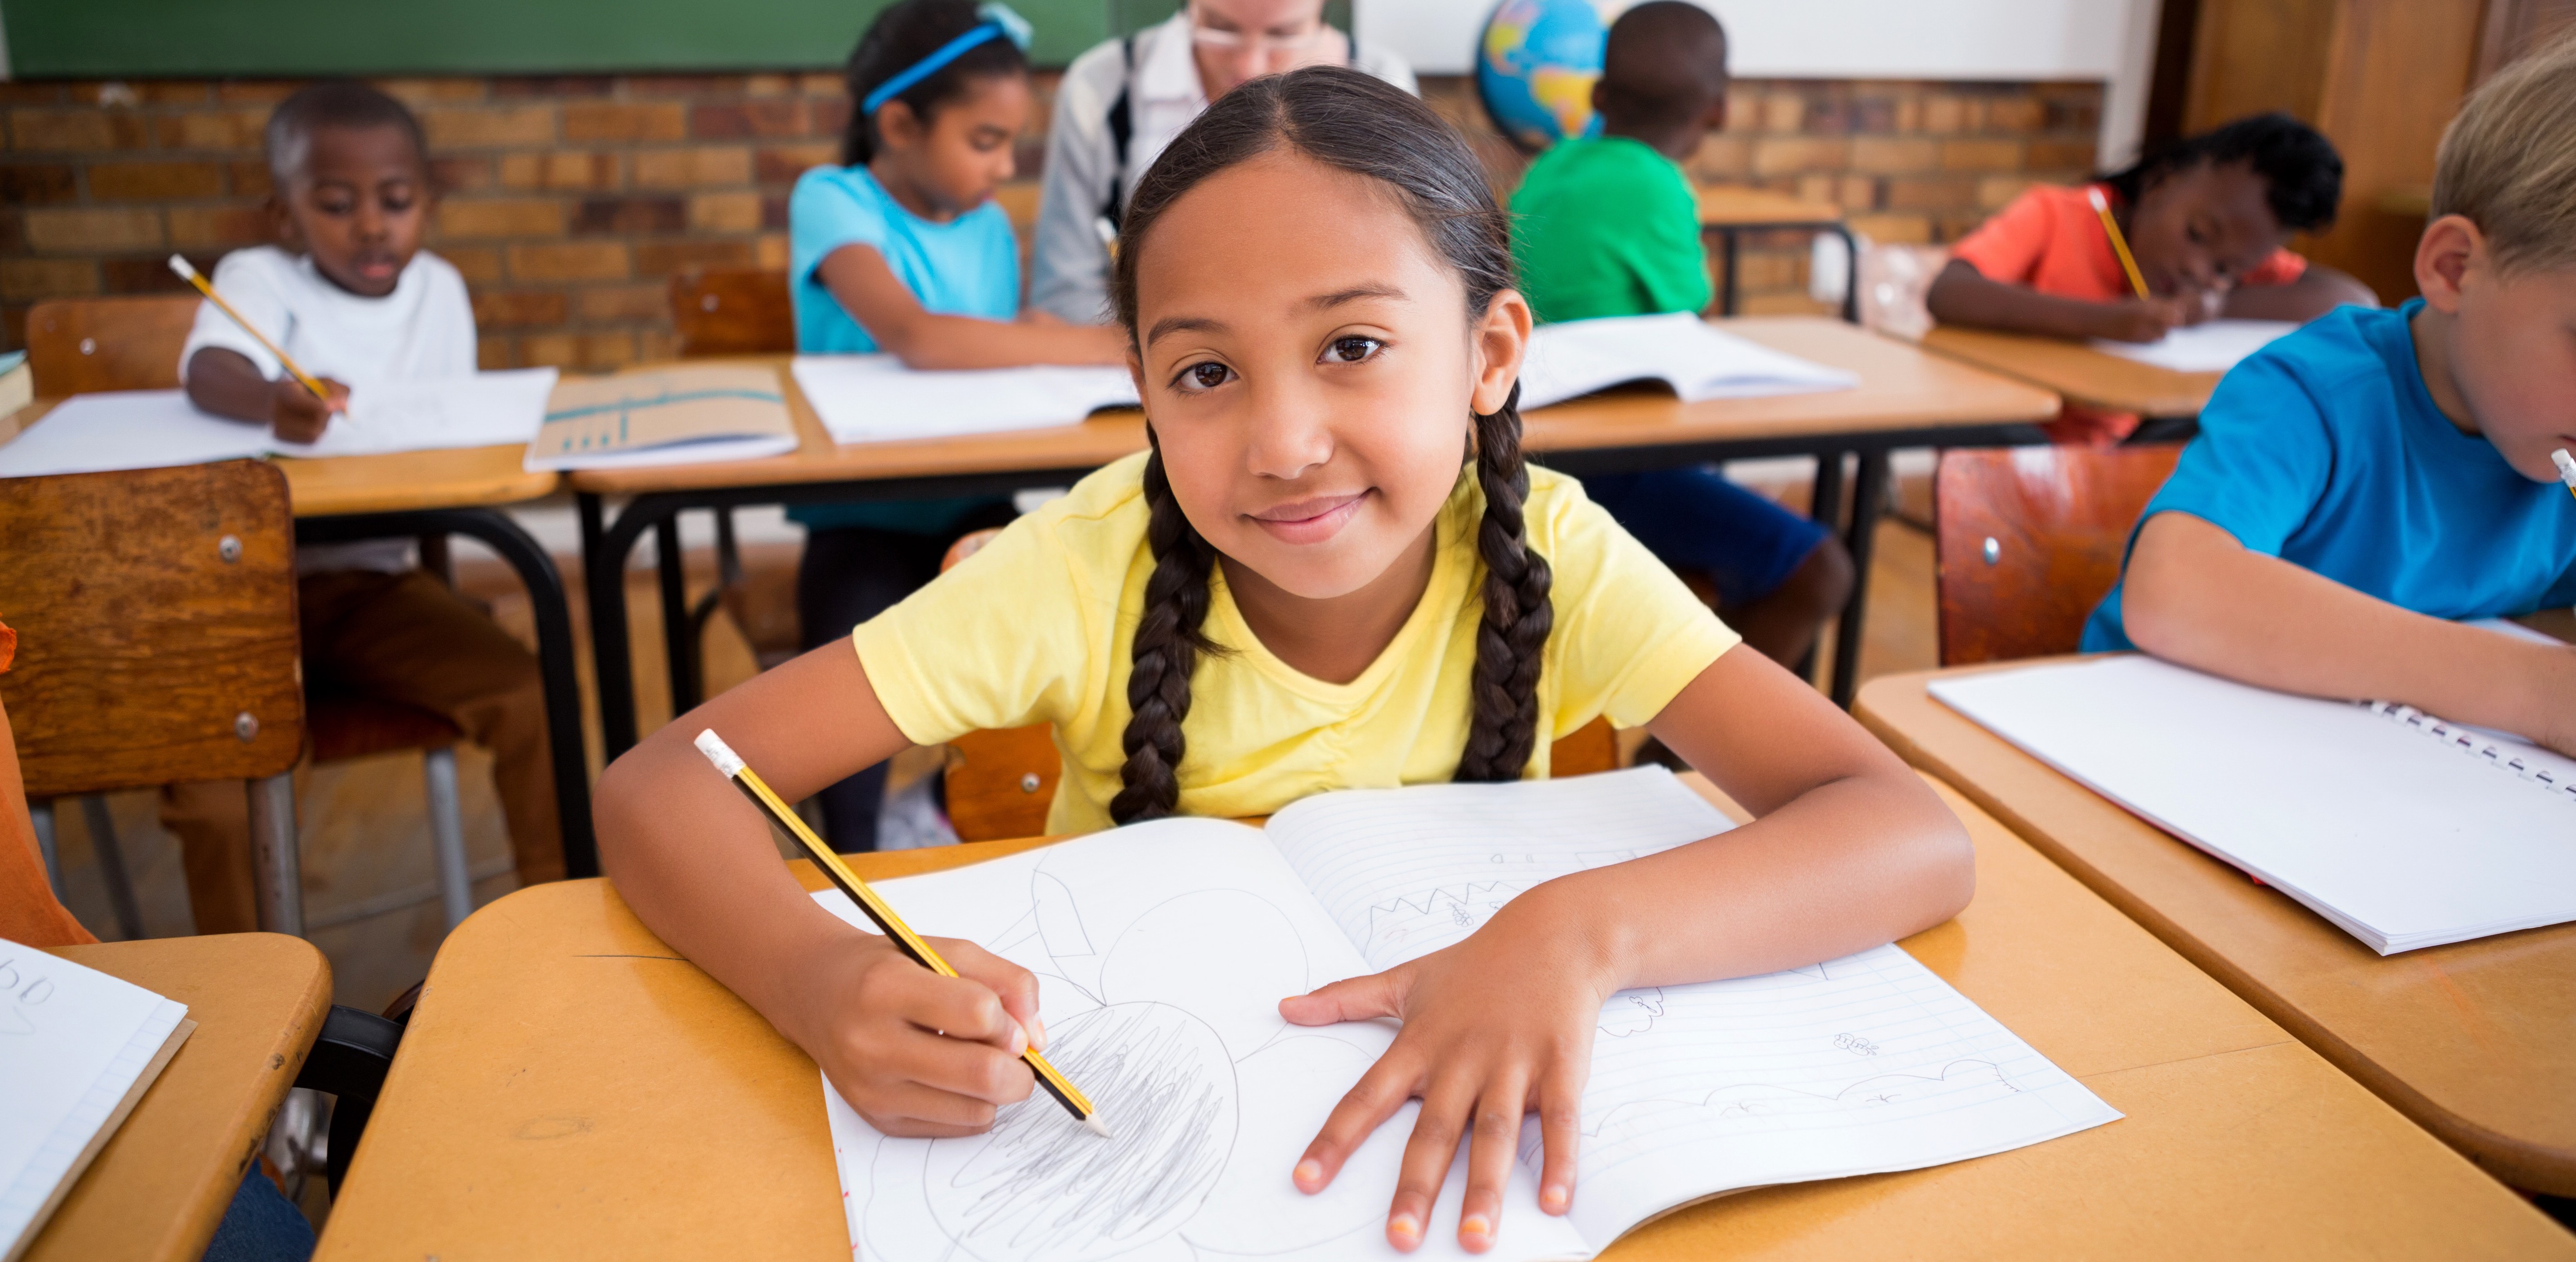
[1000,783]
[732,311]
[2027,540]
[81,345]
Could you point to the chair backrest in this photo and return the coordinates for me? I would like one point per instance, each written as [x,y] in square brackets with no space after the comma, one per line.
[2027,540]
[732,311]
[1001,783]
[157,608]
[77,345]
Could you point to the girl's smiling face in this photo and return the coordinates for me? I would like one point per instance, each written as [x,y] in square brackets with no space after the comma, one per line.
[1309,364]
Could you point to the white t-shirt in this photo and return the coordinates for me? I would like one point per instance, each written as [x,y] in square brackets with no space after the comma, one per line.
[424,328]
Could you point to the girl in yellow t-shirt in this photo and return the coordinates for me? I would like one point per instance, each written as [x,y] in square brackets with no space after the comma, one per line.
[1332,570]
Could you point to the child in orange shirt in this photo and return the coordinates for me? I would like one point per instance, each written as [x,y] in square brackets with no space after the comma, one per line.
[2209,221]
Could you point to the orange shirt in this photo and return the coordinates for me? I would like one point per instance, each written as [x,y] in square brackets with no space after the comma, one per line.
[28,912]
[2049,239]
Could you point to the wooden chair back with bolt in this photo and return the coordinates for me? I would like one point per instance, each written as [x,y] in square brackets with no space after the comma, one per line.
[1001,783]
[2027,540]
[732,311]
[82,345]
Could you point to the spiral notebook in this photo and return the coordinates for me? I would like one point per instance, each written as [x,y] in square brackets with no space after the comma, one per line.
[2404,830]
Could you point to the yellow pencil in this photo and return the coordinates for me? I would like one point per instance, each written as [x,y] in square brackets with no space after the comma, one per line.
[2119,244]
[877,909]
[2566,468]
[184,268]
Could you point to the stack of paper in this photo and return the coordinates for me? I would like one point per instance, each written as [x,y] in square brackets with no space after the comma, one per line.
[2213,347]
[156,429]
[77,1050]
[874,398]
[2403,830]
[667,416]
[1681,350]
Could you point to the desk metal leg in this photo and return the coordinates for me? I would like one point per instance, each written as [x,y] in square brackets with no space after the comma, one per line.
[1869,492]
[679,647]
[1727,296]
[612,659]
[1851,274]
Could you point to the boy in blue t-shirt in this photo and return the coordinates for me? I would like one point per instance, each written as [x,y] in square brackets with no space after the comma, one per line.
[2363,484]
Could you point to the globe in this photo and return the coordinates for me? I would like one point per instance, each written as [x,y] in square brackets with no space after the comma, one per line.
[1536,64]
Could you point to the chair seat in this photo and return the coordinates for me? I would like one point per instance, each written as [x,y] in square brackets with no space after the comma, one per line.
[345,727]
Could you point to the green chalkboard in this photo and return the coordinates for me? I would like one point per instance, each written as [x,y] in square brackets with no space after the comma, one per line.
[145,38]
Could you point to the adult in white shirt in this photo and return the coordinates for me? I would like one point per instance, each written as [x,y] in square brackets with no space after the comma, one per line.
[1123,101]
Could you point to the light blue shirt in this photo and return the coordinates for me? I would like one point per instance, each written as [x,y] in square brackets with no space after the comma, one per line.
[969,266]
[2325,450]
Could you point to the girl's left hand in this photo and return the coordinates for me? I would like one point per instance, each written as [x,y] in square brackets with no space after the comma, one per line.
[1494,1027]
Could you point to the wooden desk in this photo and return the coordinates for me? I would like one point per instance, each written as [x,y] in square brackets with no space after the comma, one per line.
[2471,1040]
[569,1087]
[1905,398]
[1726,211]
[451,491]
[162,1182]
[2079,372]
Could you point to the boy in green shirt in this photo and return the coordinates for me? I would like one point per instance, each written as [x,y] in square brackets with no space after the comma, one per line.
[1609,226]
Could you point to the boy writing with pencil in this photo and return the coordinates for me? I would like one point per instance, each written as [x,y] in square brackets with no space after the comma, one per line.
[348,295]
[1609,226]
[2363,484]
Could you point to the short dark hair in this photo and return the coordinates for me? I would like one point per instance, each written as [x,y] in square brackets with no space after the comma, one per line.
[1664,64]
[332,103]
[2301,172]
[901,36]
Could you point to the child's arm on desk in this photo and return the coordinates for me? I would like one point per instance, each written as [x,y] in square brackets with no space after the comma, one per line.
[1963,295]
[2196,596]
[226,383]
[883,305]
[2318,290]
[696,862]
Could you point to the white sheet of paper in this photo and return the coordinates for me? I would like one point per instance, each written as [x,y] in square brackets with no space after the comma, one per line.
[874,398]
[488,409]
[1697,359]
[2212,347]
[72,1042]
[128,429]
[2404,833]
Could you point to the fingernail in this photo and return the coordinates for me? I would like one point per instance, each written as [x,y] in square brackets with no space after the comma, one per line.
[1405,1230]
[1309,1173]
[1552,1200]
[1019,1040]
[1037,1033]
[1475,1225]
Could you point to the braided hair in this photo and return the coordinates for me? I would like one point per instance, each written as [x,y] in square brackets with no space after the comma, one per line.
[1351,122]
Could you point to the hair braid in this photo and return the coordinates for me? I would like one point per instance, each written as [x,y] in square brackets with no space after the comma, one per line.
[1165,651]
[1512,636]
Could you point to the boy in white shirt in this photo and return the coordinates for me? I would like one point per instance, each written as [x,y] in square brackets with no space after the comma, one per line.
[351,296]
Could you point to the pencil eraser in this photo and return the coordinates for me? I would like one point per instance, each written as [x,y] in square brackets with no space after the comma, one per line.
[719,753]
[2566,466]
[182,267]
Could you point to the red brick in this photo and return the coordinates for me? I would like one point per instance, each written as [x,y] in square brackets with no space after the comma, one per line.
[669,258]
[36,185]
[628,216]
[781,164]
[153,275]
[30,93]
[1910,229]
[1931,192]
[518,86]
[422,93]
[613,303]
[821,83]
[520,308]
[1804,153]
[29,279]
[255,91]
[74,131]
[13,326]
[685,85]
[653,346]
[173,91]
[94,228]
[770,252]
[1721,159]
[500,217]
[492,354]
[706,166]
[486,127]
[560,171]
[1886,155]
[1981,155]
[215,129]
[478,264]
[623,120]
[219,227]
[460,175]
[832,116]
[593,352]
[769,85]
[250,178]
[2016,114]
[1994,192]
[13,230]
[155,181]
[773,214]
[724,212]
[747,119]
[2060,155]
[583,260]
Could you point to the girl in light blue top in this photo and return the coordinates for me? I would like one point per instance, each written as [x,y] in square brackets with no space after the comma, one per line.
[903,250]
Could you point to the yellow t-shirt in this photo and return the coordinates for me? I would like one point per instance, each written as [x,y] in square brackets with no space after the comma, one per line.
[1037,628]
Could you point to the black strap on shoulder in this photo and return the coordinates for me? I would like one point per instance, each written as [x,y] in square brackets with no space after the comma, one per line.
[1122,130]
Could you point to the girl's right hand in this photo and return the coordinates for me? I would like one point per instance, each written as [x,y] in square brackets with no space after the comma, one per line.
[2148,319]
[917,1054]
[296,416]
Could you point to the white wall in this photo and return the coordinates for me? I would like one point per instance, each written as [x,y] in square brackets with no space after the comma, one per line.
[2108,40]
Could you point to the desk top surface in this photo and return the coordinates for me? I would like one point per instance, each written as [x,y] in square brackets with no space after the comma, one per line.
[2079,372]
[1901,388]
[162,1182]
[1735,206]
[2472,1040]
[456,477]
[569,1085]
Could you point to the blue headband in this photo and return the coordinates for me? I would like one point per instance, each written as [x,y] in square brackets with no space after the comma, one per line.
[999,22]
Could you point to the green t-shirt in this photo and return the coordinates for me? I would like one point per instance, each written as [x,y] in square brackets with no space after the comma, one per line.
[1608,227]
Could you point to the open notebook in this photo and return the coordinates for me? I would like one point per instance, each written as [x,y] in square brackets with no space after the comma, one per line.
[2212,347]
[77,1050]
[1681,350]
[1163,950]
[874,398]
[156,429]
[668,416]
[2403,830]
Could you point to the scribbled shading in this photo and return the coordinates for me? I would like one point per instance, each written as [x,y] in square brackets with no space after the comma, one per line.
[1035,1186]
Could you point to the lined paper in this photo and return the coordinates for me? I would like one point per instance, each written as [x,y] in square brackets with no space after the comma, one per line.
[73,1044]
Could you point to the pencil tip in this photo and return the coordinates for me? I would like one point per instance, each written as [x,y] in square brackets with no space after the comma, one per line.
[1093,1125]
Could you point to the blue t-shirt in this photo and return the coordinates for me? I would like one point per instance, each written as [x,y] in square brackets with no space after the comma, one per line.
[2325,450]
[969,266]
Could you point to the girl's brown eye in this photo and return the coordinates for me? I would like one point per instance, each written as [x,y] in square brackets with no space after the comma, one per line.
[1352,350]
[1208,375]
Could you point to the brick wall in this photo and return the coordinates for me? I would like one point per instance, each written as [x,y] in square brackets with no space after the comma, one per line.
[569,203]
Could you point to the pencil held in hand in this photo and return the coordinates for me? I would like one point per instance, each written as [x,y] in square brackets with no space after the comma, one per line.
[188,271]
[2566,468]
[877,909]
[2119,244]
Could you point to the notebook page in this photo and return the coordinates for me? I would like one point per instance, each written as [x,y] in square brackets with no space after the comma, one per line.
[1162,951]
[675,415]
[2215,346]
[488,409]
[73,1041]
[1859,1065]
[874,398]
[1698,360]
[2403,836]
[128,429]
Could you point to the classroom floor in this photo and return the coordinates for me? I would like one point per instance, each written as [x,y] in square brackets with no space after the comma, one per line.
[369,896]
